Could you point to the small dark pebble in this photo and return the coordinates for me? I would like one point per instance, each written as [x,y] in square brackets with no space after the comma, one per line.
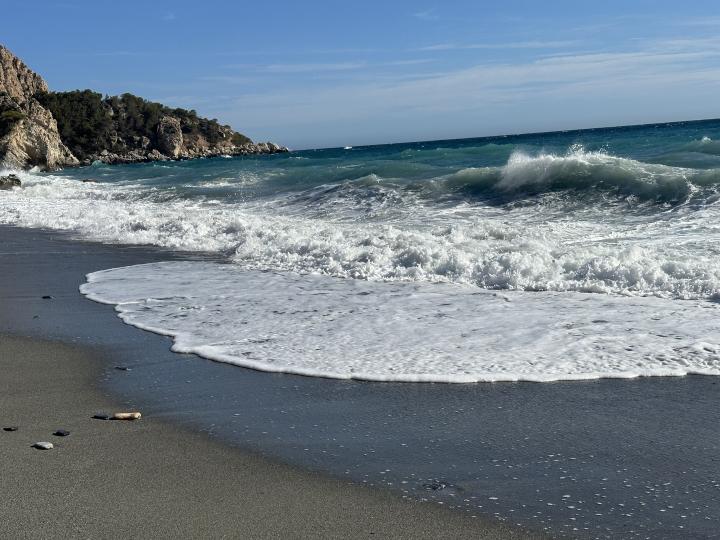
[102,416]
[36,316]
[436,486]
[48,297]
[123,368]
[10,428]
[61,433]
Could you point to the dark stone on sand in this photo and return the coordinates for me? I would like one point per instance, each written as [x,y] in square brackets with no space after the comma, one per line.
[61,433]
[10,428]
[48,297]
[9,181]
[439,485]
[102,416]
[436,485]
[123,368]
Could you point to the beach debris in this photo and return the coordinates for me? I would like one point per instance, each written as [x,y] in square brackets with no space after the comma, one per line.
[102,416]
[48,297]
[43,445]
[126,416]
[10,428]
[61,433]
[123,368]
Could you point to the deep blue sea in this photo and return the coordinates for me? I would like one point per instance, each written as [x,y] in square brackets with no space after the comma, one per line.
[553,256]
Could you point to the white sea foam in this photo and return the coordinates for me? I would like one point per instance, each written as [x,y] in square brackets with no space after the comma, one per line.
[341,328]
[369,231]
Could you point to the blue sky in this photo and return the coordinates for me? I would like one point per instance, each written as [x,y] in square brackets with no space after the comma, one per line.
[331,73]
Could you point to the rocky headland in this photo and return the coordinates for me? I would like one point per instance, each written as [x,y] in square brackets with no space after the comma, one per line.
[51,130]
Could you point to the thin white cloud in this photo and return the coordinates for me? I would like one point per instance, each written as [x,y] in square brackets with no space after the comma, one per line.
[312,68]
[426,15]
[229,79]
[168,17]
[710,20]
[499,46]
[119,53]
[407,62]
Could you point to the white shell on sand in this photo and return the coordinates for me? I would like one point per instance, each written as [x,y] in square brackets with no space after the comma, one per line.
[43,445]
[127,416]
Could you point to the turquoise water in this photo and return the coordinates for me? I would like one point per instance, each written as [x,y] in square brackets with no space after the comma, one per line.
[428,167]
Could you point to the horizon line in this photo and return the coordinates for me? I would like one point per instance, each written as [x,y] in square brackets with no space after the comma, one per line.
[520,134]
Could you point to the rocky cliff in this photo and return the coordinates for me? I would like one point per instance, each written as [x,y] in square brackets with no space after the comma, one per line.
[58,129]
[28,132]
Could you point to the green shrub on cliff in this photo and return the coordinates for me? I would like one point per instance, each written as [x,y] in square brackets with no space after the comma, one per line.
[8,119]
[239,139]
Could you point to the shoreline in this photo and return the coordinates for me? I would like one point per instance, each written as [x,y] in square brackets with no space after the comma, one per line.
[156,477]
[600,458]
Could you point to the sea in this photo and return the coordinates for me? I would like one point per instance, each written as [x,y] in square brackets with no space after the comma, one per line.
[540,257]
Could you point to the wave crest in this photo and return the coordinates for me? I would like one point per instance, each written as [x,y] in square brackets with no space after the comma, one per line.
[585,172]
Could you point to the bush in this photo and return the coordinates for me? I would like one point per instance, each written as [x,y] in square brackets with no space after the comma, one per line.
[239,139]
[8,119]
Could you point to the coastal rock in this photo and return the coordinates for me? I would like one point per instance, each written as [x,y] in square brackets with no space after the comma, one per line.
[34,141]
[29,134]
[155,155]
[9,181]
[61,433]
[10,428]
[17,80]
[169,136]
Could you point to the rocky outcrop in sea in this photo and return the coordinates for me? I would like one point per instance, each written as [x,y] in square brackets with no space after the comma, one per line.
[51,130]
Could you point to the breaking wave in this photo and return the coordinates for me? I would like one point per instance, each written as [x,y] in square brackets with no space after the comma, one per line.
[704,146]
[586,172]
